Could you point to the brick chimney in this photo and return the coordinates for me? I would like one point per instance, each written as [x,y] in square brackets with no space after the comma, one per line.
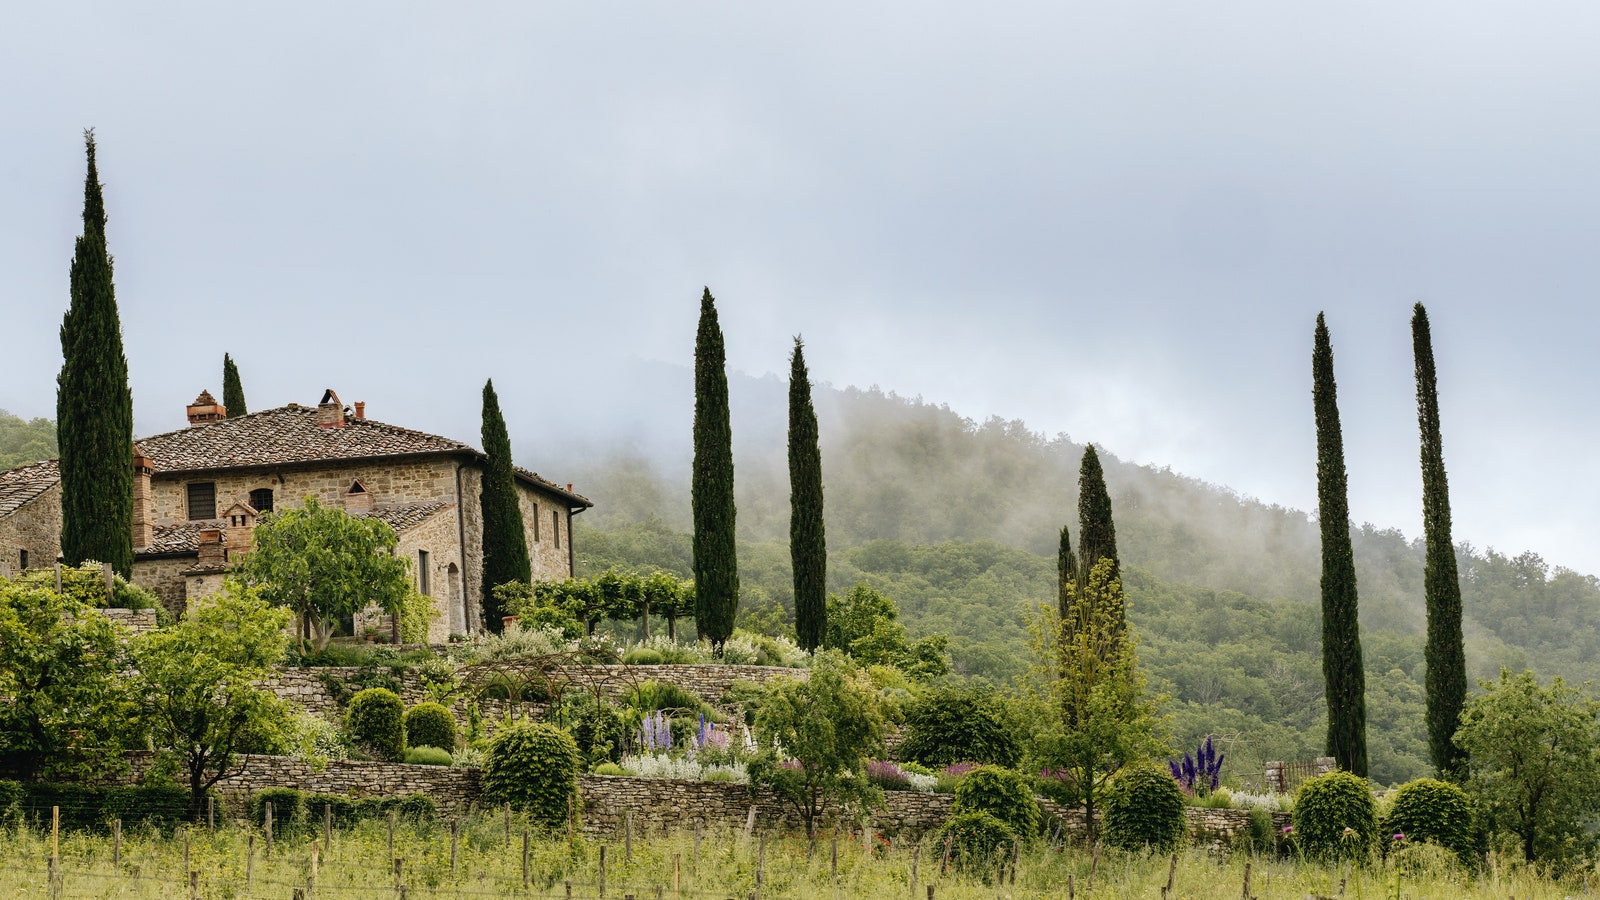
[358,499]
[330,412]
[205,408]
[361,409]
[240,536]
[143,509]
[213,548]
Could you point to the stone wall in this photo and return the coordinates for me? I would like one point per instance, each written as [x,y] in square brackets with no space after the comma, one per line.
[544,525]
[388,481]
[135,620]
[707,680]
[453,789]
[34,526]
[164,578]
[439,536]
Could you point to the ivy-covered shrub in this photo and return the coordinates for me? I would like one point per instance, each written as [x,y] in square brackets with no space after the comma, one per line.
[90,808]
[1335,817]
[376,721]
[428,756]
[430,725]
[1144,808]
[954,724]
[534,767]
[976,840]
[1436,812]
[1002,793]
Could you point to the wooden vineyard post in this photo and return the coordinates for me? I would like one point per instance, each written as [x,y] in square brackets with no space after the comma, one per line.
[695,859]
[1172,872]
[676,884]
[55,832]
[750,821]
[267,817]
[1246,893]
[397,868]
[249,861]
[916,855]
[761,863]
[944,861]
[833,866]
[327,827]
[194,885]
[508,826]
[455,841]
[211,813]
[627,837]
[116,843]
[391,837]
[602,870]
[524,859]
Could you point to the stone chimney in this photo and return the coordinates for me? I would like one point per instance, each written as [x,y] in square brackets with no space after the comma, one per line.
[213,547]
[205,408]
[330,412]
[240,536]
[143,508]
[357,500]
[361,409]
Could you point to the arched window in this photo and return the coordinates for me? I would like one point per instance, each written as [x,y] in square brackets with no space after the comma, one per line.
[261,500]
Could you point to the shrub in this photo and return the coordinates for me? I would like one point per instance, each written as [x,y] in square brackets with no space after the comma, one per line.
[659,695]
[609,768]
[950,724]
[534,767]
[1058,785]
[430,725]
[425,755]
[595,725]
[376,721]
[1002,793]
[288,809]
[90,808]
[1144,808]
[643,656]
[1335,816]
[1435,812]
[975,838]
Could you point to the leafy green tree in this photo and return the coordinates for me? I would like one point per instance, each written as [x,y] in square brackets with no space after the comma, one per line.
[94,408]
[25,441]
[864,624]
[1091,712]
[808,545]
[1533,756]
[1446,651]
[505,544]
[61,666]
[326,564]
[533,766]
[959,723]
[716,563]
[232,389]
[1343,675]
[197,684]
[1097,533]
[830,725]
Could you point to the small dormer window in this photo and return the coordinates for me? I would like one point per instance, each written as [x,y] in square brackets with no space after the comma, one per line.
[202,500]
[261,500]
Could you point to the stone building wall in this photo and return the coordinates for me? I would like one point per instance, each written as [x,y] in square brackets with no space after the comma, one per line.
[389,481]
[164,577]
[544,524]
[34,526]
[439,536]
[471,512]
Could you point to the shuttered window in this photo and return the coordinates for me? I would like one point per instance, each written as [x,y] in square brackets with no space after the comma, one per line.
[202,500]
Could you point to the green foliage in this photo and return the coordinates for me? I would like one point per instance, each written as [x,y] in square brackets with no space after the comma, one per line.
[595,725]
[426,755]
[808,546]
[863,623]
[94,408]
[642,656]
[376,721]
[609,768]
[716,567]
[661,695]
[325,564]
[950,723]
[1097,533]
[298,812]
[25,440]
[1144,808]
[829,725]
[61,671]
[976,840]
[91,807]
[505,544]
[232,389]
[1002,793]
[430,725]
[1433,811]
[1531,753]
[417,612]
[1335,817]
[1342,668]
[534,767]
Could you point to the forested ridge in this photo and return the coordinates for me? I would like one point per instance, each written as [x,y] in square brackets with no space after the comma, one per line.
[957,521]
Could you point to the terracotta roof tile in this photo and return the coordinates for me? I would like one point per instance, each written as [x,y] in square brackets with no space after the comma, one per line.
[24,483]
[407,516]
[284,436]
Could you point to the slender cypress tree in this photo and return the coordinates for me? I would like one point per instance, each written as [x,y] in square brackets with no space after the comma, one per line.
[94,408]
[1066,574]
[1445,655]
[232,390]
[505,545]
[716,563]
[1342,672]
[1097,534]
[808,545]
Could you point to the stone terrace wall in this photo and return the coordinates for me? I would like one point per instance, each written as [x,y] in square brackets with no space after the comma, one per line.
[136,620]
[453,789]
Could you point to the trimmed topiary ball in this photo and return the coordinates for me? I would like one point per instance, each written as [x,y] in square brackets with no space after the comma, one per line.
[976,840]
[1435,812]
[430,725]
[1144,808]
[1335,817]
[534,767]
[1002,793]
[376,721]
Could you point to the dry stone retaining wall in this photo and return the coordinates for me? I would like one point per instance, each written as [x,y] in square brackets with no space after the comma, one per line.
[135,620]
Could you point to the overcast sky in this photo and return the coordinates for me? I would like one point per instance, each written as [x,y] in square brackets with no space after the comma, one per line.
[1116,220]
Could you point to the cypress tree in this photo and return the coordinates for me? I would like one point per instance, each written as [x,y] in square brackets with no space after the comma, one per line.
[716,564]
[1445,656]
[232,390]
[1343,676]
[1066,573]
[505,545]
[1097,534]
[808,545]
[94,408]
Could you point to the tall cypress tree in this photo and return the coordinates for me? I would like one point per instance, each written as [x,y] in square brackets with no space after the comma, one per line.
[1097,534]
[1445,655]
[1066,573]
[716,563]
[94,408]
[505,545]
[1344,678]
[808,545]
[232,390]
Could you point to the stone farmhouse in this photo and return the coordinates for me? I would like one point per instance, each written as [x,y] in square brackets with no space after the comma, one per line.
[198,491]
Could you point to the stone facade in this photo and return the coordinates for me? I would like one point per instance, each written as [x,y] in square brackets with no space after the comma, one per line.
[388,481]
[135,620]
[33,529]
[436,537]
[163,576]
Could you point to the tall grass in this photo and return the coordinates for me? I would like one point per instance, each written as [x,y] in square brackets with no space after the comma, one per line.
[727,864]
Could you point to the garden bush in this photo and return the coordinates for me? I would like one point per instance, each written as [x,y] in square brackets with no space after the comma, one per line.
[1335,817]
[534,767]
[1144,808]
[1436,812]
[609,768]
[595,725]
[376,721]
[951,724]
[297,812]
[642,656]
[1002,793]
[660,695]
[428,756]
[90,808]
[976,838]
[430,725]
[288,809]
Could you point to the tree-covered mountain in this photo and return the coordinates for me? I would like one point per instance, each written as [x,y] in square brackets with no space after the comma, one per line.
[25,441]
